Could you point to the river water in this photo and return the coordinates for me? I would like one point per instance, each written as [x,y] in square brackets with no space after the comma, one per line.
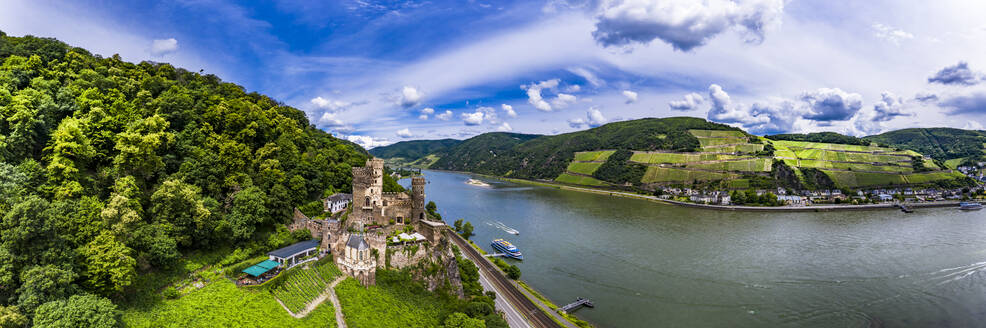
[646,264]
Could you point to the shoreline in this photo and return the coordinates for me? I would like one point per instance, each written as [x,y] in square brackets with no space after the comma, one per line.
[819,208]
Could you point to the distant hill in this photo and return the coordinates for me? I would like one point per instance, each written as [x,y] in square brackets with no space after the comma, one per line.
[694,153]
[414,149]
[477,153]
[940,143]
[826,137]
[545,157]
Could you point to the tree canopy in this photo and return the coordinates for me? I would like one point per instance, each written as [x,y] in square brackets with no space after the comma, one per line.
[109,169]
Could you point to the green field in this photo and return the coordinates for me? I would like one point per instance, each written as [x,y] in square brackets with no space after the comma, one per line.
[861,179]
[393,302]
[678,158]
[748,165]
[717,133]
[656,174]
[222,304]
[954,163]
[302,284]
[583,168]
[743,148]
[591,156]
[579,180]
[828,146]
[855,166]
[709,142]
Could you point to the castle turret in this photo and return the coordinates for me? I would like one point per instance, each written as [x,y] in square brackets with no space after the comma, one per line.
[367,190]
[417,198]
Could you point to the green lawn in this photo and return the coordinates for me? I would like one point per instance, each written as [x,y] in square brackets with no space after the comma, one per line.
[663,174]
[589,156]
[393,302]
[579,180]
[583,168]
[222,304]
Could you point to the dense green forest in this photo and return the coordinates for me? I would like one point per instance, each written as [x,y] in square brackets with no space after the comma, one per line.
[939,143]
[545,157]
[109,169]
[414,149]
[480,151]
[826,137]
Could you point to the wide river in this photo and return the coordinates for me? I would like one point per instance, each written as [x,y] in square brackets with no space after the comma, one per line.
[646,264]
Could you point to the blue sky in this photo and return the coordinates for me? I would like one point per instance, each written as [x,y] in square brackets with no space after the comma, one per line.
[378,72]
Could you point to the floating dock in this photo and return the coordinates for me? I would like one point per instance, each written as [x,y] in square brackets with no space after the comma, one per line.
[580,302]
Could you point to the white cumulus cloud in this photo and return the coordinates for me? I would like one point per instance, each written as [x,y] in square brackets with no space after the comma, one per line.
[368,141]
[894,35]
[562,100]
[475,118]
[595,117]
[405,133]
[630,95]
[534,94]
[164,46]
[505,127]
[691,102]
[329,105]
[410,96]
[684,24]
[509,110]
[447,115]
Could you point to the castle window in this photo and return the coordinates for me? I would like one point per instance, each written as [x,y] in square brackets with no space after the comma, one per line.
[367,200]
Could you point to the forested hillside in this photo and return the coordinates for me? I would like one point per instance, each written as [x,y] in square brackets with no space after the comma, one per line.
[414,149]
[939,143]
[545,157]
[109,169]
[826,137]
[695,153]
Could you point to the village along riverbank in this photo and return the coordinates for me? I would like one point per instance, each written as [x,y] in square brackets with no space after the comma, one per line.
[644,262]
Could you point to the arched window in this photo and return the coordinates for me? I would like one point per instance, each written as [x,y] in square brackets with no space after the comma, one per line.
[421,216]
[367,200]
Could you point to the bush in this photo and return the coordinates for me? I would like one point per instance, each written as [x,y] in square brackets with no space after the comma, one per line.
[171,293]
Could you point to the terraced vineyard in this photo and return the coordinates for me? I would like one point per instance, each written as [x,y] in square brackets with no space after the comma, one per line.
[303,284]
[724,155]
[580,170]
[730,156]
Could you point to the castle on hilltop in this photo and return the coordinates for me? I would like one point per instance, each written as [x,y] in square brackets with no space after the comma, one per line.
[361,240]
[372,206]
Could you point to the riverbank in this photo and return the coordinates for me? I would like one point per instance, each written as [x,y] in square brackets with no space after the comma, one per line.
[815,208]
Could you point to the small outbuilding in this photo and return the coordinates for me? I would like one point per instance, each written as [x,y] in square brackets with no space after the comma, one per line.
[338,202]
[292,255]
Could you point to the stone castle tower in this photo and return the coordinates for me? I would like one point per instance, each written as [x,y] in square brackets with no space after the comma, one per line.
[373,206]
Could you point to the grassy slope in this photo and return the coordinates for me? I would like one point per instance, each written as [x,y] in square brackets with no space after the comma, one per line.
[218,304]
[386,304]
[222,304]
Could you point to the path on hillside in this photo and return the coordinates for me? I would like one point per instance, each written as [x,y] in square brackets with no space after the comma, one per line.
[340,320]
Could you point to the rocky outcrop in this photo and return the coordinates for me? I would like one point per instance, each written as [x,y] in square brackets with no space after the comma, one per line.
[432,264]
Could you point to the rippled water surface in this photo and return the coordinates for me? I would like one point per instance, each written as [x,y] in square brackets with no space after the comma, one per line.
[646,264]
